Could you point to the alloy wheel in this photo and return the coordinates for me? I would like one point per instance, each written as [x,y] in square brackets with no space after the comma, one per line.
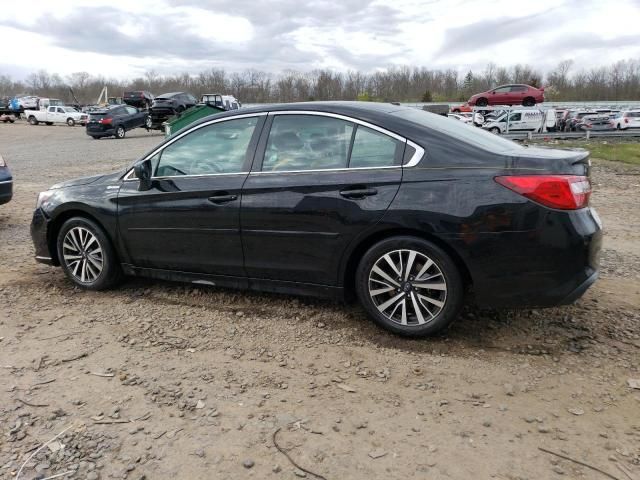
[407,287]
[82,254]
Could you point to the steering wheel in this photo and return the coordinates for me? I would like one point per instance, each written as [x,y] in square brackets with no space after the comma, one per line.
[204,167]
[177,170]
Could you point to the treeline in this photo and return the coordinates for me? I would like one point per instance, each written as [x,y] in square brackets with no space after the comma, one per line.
[566,82]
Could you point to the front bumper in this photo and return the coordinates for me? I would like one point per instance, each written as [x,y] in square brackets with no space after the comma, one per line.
[6,191]
[39,228]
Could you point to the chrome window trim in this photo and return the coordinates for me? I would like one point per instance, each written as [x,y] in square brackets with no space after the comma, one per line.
[416,157]
[330,170]
[129,176]
[413,161]
[341,117]
[6,181]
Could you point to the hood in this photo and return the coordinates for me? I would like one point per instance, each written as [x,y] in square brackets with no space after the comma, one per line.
[87,180]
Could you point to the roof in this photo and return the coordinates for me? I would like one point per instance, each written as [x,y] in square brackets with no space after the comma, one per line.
[372,112]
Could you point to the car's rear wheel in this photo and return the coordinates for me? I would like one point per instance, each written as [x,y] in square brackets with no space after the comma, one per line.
[528,102]
[95,137]
[409,286]
[32,120]
[120,132]
[86,255]
[482,102]
[71,122]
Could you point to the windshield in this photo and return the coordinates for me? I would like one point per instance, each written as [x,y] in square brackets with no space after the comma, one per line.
[458,130]
[69,109]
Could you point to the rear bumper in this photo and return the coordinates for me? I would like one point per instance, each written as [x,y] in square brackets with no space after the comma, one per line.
[39,227]
[101,133]
[6,190]
[552,266]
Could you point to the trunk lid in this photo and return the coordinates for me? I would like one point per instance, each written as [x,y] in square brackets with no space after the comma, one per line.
[573,161]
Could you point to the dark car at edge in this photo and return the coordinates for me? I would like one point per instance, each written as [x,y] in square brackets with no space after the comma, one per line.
[412,213]
[169,104]
[6,182]
[115,121]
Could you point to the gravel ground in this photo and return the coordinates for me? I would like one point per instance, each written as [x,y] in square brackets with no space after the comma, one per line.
[162,380]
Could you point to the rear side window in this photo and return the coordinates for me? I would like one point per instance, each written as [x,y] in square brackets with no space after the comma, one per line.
[458,130]
[217,148]
[373,149]
[518,88]
[131,110]
[307,142]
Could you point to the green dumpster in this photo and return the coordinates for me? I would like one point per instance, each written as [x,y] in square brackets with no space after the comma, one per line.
[175,124]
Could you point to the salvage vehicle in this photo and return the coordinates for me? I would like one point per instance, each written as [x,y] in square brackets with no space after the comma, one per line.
[7,118]
[56,114]
[519,120]
[168,105]
[226,102]
[139,99]
[463,108]
[524,95]
[6,182]
[594,123]
[406,210]
[115,121]
[574,117]
[628,119]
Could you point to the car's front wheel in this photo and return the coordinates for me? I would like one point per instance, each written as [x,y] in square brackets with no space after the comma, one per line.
[495,130]
[86,255]
[148,123]
[409,286]
[120,132]
[71,122]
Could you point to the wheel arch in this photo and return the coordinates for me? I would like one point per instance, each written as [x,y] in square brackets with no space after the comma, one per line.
[348,274]
[56,224]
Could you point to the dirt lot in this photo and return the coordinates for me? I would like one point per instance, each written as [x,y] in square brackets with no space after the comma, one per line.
[204,377]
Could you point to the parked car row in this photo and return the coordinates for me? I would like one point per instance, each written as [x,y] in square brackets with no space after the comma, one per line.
[573,120]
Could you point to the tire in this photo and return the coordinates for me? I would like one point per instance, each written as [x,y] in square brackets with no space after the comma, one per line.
[529,102]
[32,120]
[148,123]
[448,297]
[618,127]
[49,123]
[455,110]
[495,130]
[70,241]
[11,120]
[71,122]
[95,138]
[482,102]
[120,132]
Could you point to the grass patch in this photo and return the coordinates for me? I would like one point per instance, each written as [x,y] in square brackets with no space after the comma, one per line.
[616,152]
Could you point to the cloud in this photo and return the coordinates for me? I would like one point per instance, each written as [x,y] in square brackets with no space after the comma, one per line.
[241,34]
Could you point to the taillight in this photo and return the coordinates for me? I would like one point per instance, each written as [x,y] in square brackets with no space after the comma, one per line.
[105,121]
[564,192]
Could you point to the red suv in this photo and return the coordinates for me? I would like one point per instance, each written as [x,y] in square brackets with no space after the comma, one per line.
[525,95]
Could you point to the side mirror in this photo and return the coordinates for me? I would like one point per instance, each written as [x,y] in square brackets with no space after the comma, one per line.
[142,171]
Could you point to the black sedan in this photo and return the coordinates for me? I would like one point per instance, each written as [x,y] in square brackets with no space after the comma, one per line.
[6,182]
[407,210]
[115,121]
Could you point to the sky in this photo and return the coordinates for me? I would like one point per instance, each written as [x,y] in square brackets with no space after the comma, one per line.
[123,39]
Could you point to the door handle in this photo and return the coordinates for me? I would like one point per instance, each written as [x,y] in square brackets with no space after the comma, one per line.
[224,198]
[357,193]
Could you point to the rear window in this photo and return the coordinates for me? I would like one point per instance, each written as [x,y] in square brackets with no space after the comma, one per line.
[458,130]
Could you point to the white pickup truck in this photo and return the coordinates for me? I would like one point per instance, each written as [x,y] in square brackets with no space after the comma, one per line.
[56,114]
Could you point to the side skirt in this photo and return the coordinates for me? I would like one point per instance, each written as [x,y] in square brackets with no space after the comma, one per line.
[241,283]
